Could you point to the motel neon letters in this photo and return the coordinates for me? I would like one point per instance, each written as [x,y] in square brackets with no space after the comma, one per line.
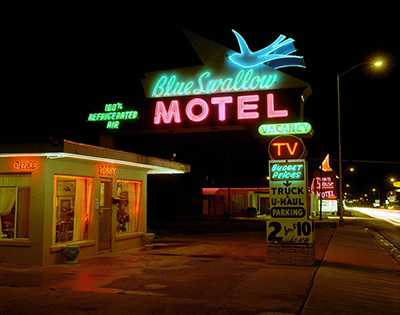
[198,109]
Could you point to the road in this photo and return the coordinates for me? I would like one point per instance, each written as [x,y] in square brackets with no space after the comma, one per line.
[387,222]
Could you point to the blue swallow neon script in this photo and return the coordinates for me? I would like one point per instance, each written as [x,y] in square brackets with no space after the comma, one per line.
[277,55]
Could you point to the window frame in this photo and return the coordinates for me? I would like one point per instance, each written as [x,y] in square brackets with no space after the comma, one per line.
[120,235]
[90,234]
[16,213]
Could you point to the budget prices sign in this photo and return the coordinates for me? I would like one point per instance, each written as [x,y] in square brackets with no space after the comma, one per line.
[288,198]
[288,189]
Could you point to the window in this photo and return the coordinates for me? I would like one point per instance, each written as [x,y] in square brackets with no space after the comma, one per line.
[15,199]
[128,202]
[73,206]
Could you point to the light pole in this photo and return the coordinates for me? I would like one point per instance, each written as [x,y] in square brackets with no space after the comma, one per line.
[377,63]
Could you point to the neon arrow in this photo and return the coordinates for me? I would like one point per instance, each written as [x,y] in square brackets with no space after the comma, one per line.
[287,183]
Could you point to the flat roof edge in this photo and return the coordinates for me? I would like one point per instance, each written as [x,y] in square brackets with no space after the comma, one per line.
[155,165]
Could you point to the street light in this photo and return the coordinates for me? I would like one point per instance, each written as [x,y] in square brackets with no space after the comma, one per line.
[377,63]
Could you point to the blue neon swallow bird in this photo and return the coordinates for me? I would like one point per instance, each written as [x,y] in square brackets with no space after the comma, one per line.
[277,55]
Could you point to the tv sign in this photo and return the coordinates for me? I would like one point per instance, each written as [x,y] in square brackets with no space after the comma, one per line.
[286,147]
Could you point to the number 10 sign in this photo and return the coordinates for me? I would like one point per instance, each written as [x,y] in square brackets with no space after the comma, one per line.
[292,231]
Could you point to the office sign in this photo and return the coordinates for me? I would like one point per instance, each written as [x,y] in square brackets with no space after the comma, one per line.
[25,165]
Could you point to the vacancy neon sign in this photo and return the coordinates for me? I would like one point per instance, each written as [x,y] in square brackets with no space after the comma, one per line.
[246,107]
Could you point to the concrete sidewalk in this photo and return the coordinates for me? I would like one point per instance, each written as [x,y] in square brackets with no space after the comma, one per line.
[356,276]
[220,273]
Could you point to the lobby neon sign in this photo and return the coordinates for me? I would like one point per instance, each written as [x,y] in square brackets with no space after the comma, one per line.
[205,83]
[197,109]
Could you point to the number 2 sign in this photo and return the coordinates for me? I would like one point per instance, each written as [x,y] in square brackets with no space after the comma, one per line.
[290,232]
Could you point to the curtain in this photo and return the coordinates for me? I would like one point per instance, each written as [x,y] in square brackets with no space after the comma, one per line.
[88,213]
[83,200]
[24,196]
[8,184]
[80,204]
[7,199]
[132,216]
[8,191]
[138,199]
[135,193]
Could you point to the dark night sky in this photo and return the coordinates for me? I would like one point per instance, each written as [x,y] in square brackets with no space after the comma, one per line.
[69,61]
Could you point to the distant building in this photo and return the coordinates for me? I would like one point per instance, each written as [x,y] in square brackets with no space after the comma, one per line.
[243,201]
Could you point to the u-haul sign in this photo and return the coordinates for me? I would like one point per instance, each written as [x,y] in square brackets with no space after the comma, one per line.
[288,189]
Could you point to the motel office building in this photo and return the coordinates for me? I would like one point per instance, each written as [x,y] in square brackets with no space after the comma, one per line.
[52,196]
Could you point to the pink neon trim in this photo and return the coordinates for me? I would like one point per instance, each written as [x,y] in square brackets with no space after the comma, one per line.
[271,112]
[161,113]
[204,109]
[221,102]
[247,111]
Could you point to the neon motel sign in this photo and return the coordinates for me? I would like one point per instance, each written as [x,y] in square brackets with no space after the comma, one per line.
[236,89]
[246,108]
[244,80]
